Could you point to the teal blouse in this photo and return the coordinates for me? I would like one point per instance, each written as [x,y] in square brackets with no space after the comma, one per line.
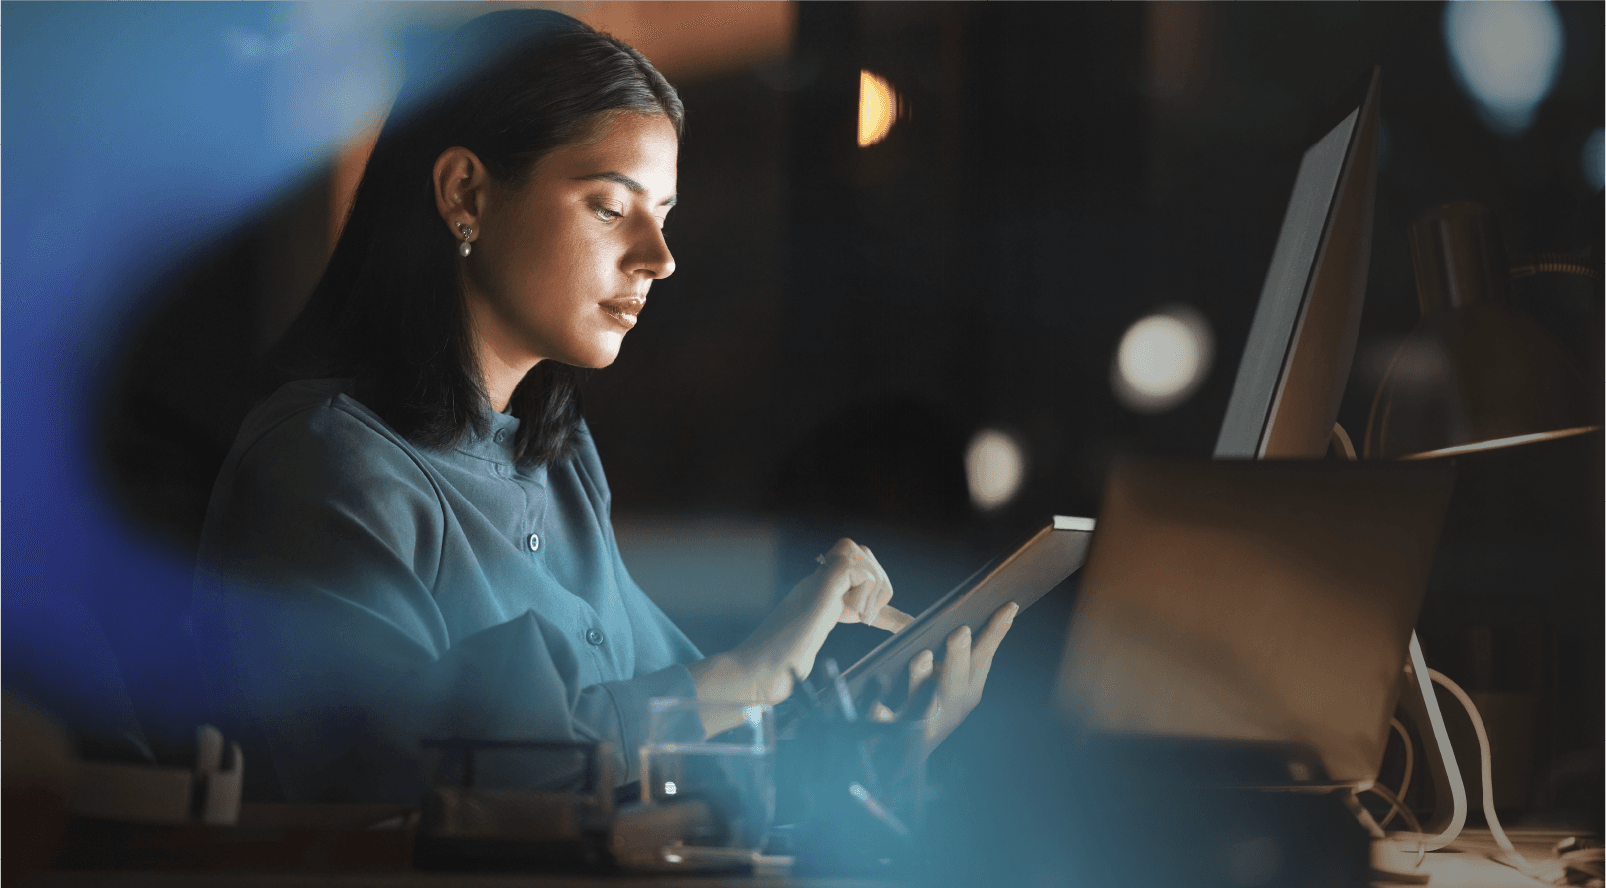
[356,594]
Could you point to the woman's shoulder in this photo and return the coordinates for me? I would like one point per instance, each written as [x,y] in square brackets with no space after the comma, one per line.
[316,487]
[317,428]
[586,463]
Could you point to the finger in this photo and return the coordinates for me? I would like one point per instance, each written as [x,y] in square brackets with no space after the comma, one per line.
[981,653]
[955,673]
[838,558]
[844,579]
[842,548]
[847,558]
[875,565]
[920,669]
[880,713]
[891,619]
[856,602]
[870,592]
[884,587]
[831,589]
[880,594]
[836,564]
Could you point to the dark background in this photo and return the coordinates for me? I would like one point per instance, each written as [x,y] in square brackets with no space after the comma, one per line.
[842,320]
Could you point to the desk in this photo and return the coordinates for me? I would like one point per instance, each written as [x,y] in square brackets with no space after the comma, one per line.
[1472,870]
[320,846]
[1448,870]
[1463,865]
[421,880]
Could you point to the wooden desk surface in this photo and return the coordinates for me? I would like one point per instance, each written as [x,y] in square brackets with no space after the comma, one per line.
[1465,865]
[1447,869]
[102,879]
[1471,870]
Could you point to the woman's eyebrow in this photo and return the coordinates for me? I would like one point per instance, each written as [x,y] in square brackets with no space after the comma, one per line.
[619,178]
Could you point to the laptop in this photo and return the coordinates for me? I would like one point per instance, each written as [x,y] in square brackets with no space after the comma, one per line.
[1257,602]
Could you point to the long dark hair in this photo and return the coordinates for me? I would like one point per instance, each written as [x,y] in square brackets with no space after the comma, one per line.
[510,86]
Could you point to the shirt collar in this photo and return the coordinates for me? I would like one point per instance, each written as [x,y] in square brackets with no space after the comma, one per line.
[497,442]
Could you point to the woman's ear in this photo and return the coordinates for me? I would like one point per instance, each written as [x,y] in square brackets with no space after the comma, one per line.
[460,182]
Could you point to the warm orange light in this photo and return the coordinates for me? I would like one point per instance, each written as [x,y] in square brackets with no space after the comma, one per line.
[347,172]
[691,42]
[1501,442]
[878,108]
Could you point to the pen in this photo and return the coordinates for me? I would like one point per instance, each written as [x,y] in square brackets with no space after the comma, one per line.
[876,809]
[844,698]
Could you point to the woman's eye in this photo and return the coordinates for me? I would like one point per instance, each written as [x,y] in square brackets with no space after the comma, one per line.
[606,214]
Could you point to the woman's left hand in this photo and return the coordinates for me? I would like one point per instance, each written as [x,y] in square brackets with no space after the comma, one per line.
[960,678]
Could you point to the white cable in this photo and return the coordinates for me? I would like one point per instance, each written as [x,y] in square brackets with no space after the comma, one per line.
[1395,805]
[1405,782]
[1516,861]
[1441,758]
[1376,832]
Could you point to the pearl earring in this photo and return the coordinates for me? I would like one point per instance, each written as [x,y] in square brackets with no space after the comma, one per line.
[464,248]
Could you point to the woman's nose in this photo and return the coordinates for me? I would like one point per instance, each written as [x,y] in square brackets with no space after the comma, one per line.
[651,255]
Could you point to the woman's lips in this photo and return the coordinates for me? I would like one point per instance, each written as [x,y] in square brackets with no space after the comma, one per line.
[624,311]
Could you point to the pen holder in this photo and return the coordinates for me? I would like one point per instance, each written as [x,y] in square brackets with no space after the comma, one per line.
[857,790]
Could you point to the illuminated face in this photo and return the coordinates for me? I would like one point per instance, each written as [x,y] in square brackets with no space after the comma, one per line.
[562,264]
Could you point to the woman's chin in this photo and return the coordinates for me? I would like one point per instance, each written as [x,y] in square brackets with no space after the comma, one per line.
[591,349]
[598,356]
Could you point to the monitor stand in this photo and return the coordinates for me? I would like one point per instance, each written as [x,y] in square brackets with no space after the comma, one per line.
[1449,794]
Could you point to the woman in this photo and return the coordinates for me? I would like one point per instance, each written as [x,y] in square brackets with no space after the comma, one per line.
[411,538]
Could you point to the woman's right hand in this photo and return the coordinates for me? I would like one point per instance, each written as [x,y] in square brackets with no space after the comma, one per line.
[849,586]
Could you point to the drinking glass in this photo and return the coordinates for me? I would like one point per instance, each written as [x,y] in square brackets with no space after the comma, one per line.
[731,774]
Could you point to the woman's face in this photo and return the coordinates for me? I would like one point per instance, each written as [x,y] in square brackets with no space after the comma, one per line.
[561,266]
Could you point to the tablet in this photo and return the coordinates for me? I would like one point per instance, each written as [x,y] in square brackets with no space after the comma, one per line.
[1022,576]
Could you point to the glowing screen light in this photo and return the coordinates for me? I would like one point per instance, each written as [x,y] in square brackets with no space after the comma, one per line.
[995,465]
[1505,56]
[1594,159]
[1162,359]
[878,108]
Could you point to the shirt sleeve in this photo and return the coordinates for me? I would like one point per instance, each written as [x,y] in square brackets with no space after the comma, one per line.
[317,616]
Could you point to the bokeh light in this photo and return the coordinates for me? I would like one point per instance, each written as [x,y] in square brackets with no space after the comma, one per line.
[995,466]
[878,108]
[1162,359]
[1506,56]
[1594,159]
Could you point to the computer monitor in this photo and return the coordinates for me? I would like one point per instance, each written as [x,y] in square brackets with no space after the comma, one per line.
[1285,400]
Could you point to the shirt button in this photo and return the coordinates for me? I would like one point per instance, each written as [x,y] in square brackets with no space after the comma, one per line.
[501,435]
[594,636]
[535,542]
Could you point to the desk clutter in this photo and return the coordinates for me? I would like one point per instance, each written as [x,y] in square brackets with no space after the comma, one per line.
[703,806]
[1112,810]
